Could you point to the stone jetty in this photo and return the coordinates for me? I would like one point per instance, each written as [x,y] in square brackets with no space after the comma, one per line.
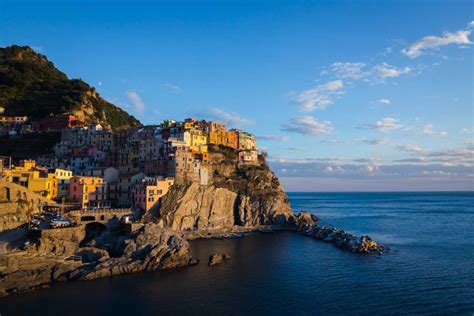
[338,237]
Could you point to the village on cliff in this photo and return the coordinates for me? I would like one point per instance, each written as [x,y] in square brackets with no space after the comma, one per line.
[93,170]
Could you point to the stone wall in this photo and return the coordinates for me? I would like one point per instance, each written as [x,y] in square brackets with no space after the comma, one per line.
[16,203]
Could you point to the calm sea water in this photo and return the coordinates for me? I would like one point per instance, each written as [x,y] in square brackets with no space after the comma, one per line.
[429,271]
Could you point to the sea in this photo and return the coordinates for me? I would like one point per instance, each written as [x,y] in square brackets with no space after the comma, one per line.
[429,270]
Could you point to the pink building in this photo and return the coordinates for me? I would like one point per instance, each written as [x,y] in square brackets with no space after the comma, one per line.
[88,192]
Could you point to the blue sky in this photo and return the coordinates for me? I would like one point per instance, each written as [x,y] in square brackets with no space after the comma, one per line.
[344,95]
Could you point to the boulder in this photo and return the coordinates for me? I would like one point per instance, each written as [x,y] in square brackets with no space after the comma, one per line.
[306,219]
[217,258]
[92,254]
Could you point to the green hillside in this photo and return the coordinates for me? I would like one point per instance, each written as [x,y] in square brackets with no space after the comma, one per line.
[31,85]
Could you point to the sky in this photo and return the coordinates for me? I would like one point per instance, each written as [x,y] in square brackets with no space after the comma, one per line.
[342,95]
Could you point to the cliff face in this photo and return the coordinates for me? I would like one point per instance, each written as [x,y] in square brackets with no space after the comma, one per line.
[31,85]
[245,196]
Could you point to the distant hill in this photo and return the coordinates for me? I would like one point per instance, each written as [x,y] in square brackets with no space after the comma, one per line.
[31,85]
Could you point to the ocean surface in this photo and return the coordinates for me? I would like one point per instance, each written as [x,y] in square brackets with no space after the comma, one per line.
[430,269]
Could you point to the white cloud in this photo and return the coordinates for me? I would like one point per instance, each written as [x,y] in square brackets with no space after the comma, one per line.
[434,42]
[385,101]
[349,70]
[172,87]
[386,124]
[371,74]
[410,148]
[137,102]
[320,96]
[231,118]
[308,125]
[383,71]
[470,24]
[467,131]
[278,138]
[428,129]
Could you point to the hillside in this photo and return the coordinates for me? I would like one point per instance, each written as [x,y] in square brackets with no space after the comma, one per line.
[31,85]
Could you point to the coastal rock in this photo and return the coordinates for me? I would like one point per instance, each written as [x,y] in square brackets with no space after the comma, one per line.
[345,240]
[148,248]
[306,219]
[247,196]
[24,272]
[58,242]
[217,258]
[92,254]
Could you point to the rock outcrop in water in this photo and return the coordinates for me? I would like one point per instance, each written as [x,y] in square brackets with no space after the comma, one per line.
[344,240]
[217,258]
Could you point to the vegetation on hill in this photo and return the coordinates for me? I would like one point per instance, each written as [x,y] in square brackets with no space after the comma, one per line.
[28,146]
[31,85]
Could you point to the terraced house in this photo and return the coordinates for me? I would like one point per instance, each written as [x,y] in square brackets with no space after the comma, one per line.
[88,192]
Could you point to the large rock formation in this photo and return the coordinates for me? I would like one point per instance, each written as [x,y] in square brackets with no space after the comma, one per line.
[239,195]
[149,247]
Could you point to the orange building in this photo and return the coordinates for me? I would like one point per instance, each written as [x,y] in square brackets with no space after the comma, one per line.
[232,139]
[89,192]
[147,194]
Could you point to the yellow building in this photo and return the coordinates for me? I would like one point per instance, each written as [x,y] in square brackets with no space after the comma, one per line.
[20,174]
[46,186]
[26,165]
[217,133]
[198,138]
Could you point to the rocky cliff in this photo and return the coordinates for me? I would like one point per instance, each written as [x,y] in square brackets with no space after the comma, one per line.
[239,195]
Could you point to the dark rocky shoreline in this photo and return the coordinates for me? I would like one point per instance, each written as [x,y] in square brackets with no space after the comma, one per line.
[61,255]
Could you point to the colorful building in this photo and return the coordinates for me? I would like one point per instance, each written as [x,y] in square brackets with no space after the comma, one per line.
[217,133]
[232,139]
[43,184]
[246,141]
[198,138]
[63,177]
[125,187]
[147,194]
[58,122]
[88,192]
